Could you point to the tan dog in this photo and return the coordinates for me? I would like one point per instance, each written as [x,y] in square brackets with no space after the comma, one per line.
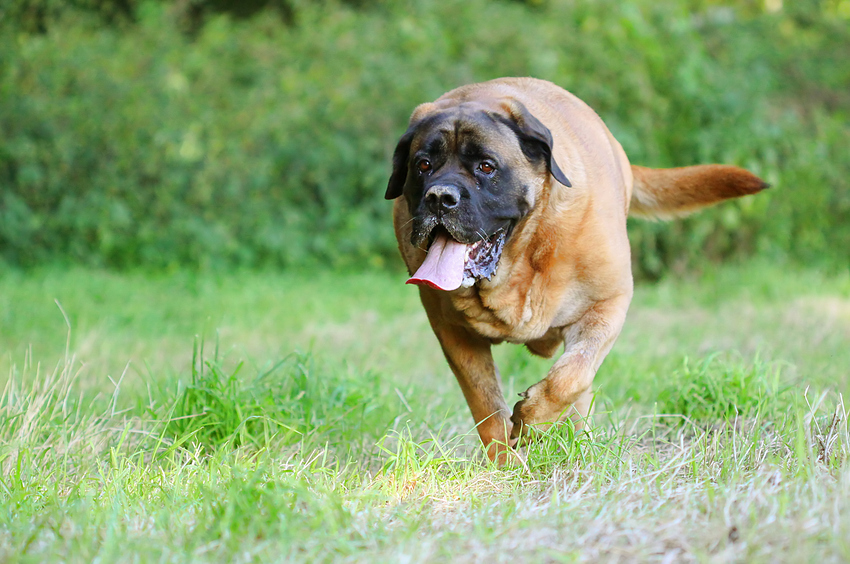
[513,222]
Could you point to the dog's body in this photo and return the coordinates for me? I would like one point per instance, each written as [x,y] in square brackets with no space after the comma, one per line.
[521,166]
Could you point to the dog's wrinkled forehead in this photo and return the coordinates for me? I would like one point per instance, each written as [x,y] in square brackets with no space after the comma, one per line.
[467,129]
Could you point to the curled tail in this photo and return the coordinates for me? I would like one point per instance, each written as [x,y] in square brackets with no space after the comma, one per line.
[665,193]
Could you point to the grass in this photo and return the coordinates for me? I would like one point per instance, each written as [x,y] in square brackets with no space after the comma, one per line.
[274,417]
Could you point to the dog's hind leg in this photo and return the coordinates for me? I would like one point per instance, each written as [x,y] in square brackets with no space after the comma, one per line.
[566,390]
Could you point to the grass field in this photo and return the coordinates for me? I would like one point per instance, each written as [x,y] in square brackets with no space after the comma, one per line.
[273,417]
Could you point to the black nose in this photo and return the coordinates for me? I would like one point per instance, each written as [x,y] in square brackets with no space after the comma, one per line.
[442,198]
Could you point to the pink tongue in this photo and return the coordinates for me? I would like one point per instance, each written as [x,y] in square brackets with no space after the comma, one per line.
[443,267]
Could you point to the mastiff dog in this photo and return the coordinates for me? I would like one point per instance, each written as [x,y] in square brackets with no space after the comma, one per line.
[511,198]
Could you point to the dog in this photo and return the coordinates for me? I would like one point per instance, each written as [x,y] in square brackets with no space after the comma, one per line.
[511,198]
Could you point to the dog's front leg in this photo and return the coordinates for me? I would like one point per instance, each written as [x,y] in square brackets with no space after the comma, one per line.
[566,390]
[471,360]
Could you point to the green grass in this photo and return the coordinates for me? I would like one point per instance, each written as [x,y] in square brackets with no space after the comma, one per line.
[274,417]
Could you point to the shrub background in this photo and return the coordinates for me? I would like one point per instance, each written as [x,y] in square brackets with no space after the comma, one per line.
[164,134]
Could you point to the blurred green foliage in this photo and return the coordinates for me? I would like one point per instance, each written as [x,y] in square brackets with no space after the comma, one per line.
[186,133]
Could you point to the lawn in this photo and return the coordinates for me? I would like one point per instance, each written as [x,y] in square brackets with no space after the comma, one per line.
[253,416]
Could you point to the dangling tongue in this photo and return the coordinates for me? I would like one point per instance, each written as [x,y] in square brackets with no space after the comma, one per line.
[443,267]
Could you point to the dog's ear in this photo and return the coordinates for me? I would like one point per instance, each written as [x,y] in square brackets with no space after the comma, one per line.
[395,186]
[399,175]
[534,138]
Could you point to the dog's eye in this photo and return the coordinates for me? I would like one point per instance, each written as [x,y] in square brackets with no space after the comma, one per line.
[487,167]
[424,165]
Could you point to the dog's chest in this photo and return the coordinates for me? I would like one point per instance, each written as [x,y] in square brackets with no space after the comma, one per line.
[520,313]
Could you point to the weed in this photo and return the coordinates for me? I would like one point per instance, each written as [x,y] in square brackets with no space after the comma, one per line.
[296,401]
[319,458]
[711,390]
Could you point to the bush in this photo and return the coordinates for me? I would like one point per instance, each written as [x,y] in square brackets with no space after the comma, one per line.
[266,141]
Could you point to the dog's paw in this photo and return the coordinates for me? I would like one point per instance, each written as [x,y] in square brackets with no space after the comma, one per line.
[506,456]
[539,410]
[535,411]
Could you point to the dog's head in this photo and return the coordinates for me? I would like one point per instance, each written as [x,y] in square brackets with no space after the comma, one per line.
[469,173]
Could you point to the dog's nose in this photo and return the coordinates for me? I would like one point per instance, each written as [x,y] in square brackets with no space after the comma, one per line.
[442,198]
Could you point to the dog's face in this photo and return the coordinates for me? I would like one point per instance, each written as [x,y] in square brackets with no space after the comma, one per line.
[473,172]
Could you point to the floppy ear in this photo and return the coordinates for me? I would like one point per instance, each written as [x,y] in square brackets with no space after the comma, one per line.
[396,184]
[534,138]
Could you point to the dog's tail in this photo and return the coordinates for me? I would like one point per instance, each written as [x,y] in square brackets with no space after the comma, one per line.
[665,193]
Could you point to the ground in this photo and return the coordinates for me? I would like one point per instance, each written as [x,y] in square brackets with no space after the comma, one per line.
[281,417]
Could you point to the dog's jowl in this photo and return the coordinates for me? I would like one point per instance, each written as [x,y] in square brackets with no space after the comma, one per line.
[511,199]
